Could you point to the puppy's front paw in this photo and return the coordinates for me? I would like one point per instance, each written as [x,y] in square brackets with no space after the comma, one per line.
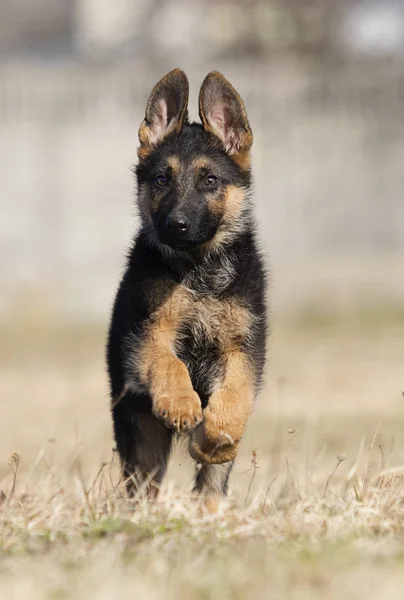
[214,450]
[216,440]
[180,412]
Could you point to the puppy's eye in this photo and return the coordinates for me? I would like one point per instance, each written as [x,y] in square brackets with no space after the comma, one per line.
[210,181]
[161,180]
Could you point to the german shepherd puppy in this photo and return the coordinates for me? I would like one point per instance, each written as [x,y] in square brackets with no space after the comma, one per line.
[186,345]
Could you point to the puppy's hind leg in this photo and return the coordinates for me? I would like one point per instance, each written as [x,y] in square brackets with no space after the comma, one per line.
[144,445]
[211,482]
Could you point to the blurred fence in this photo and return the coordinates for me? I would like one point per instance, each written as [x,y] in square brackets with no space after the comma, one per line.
[329,147]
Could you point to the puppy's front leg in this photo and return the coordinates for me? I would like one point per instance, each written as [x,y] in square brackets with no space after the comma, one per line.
[224,419]
[166,377]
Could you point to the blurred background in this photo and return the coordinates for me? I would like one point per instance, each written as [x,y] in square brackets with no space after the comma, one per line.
[324,87]
[323,83]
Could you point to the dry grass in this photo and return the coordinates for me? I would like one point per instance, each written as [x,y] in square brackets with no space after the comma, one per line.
[317,502]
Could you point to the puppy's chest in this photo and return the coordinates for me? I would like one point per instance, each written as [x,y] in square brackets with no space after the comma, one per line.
[201,311]
[215,321]
[207,319]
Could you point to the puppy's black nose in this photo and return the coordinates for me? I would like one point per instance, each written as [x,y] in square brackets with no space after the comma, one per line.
[177,223]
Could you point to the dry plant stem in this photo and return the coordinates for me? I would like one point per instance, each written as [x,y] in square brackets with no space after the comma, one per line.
[365,477]
[340,459]
[268,490]
[14,463]
[254,464]
[356,464]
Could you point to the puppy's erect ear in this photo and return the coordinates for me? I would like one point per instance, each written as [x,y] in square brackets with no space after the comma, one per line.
[166,111]
[223,113]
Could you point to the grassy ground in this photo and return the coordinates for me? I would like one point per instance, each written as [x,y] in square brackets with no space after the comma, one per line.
[317,495]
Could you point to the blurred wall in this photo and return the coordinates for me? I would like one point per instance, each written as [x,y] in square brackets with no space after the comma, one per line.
[324,92]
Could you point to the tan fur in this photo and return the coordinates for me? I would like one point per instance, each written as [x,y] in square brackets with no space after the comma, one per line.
[167,377]
[223,321]
[233,202]
[224,419]
[231,206]
[174,162]
[243,159]
[200,163]
[212,503]
[216,203]
[144,150]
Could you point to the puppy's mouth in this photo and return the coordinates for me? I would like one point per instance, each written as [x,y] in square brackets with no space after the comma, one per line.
[182,245]
[185,243]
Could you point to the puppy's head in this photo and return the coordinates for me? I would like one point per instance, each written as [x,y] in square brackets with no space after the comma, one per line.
[193,179]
